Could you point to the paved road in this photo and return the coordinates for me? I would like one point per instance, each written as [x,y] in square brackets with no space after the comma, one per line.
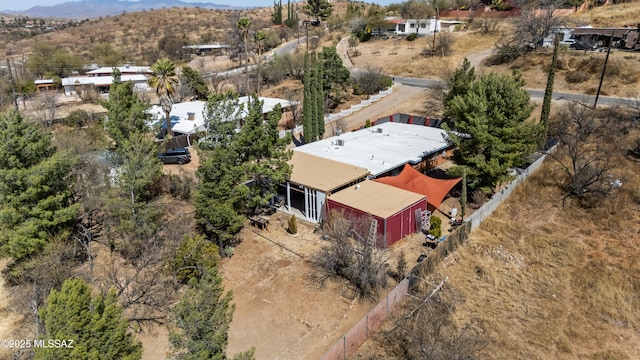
[475,59]
[534,93]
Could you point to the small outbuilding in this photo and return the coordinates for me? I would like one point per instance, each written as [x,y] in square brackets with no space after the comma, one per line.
[395,212]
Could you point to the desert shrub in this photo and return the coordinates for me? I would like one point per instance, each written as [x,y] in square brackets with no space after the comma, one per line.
[436,226]
[442,46]
[78,118]
[576,76]
[613,69]
[590,65]
[364,36]
[192,258]
[505,54]
[371,81]
[411,37]
[478,197]
[181,186]
[630,77]
[401,268]
[563,64]
[359,263]
[292,225]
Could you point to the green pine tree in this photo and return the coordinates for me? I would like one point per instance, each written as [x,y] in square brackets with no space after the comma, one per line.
[493,131]
[262,153]
[460,83]
[196,82]
[219,197]
[95,325]
[126,113]
[36,201]
[336,76]
[320,9]
[201,321]
[222,111]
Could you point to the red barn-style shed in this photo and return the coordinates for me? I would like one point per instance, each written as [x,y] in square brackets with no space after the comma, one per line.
[396,211]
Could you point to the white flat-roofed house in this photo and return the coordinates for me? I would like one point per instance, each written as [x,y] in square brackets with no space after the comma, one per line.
[384,149]
[78,84]
[124,70]
[188,117]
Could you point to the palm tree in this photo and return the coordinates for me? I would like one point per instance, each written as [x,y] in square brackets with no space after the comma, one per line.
[165,81]
[259,37]
[243,26]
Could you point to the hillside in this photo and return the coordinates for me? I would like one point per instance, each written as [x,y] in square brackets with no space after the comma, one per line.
[137,34]
[549,281]
[85,9]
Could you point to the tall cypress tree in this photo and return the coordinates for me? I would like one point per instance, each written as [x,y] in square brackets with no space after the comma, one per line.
[319,98]
[308,124]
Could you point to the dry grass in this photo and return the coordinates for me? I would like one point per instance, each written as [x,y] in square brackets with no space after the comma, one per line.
[400,57]
[626,14]
[579,72]
[553,282]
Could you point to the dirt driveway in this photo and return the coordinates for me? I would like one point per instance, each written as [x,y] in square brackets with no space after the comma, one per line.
[277,311]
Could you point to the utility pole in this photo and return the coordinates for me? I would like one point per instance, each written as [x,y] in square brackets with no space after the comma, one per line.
[604,68]
[15,68]
[435,32]
[13,93]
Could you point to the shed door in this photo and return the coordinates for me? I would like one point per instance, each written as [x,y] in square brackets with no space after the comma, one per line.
[418,219]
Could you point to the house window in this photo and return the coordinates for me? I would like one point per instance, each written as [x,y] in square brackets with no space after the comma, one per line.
[423,25]
[411,26]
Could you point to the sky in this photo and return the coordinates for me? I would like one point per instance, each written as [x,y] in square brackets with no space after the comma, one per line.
[27,4]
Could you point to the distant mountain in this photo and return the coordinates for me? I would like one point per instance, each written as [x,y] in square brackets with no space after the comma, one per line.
[95,8]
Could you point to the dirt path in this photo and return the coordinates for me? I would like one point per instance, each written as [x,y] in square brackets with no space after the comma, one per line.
[403,99]
[477,58]
[10,321]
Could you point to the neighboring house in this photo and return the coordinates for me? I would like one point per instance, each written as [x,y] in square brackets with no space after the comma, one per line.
[77,85]
[44,84]
[399,26]
[188,118]
[621,38]
[124,70]
[207,49]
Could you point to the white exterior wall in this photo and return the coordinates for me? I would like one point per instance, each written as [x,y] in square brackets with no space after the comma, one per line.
[424,27]
[314,201]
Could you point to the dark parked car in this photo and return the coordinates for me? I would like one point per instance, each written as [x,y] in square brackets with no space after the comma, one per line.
[578,45]
[175,156]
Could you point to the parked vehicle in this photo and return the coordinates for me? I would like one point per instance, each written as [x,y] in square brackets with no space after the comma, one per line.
[582,46]
[179,156]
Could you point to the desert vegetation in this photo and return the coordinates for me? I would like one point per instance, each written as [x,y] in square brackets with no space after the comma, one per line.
[91,222]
